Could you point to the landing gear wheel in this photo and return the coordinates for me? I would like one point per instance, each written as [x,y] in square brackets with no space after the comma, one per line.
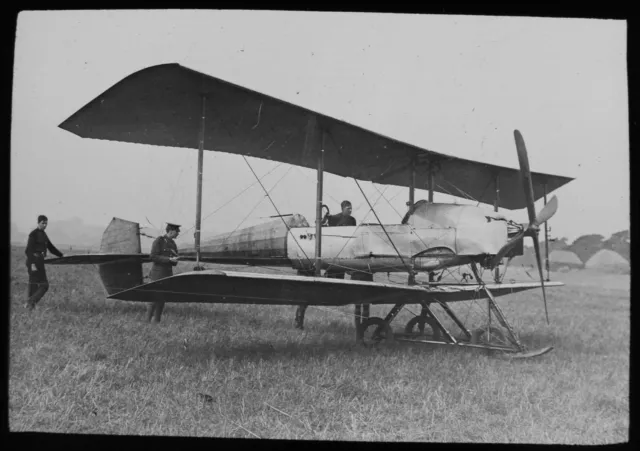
[374,331]
[420,321]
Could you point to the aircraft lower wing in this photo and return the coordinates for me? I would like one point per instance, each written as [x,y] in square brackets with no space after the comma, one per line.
[233,287]
[97,258]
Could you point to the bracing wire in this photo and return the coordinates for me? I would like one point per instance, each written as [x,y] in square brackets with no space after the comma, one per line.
[398,213]
[353,235]
[256,206]
[233,198]
[383,228]
[276,208]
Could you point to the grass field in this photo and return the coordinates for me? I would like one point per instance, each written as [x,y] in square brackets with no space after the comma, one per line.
[83,364]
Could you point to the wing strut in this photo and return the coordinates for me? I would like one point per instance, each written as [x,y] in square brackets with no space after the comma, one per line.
[199,195]
[430,182]
[496,205]
[546,237]
[412,183]
[319,206]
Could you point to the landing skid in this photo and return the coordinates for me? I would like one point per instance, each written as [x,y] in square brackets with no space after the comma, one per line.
[432,330]
[529,354]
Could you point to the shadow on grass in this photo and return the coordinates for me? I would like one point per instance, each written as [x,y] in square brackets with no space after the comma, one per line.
[177,312]
[254,352]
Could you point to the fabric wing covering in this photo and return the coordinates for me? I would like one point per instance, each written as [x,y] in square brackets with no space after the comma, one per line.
[233,287]
[162,106]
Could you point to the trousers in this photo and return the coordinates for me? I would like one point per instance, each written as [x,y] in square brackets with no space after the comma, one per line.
[38,285]
[155,308]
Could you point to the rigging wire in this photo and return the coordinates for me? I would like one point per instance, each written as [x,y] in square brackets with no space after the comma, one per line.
[354,232]
[233,198]
[383,228]
[465,195]
[173,189]
[410,227]
[256,206]
[484,191]
[276,208]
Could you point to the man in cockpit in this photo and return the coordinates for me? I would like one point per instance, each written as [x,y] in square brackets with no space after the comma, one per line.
[343,218]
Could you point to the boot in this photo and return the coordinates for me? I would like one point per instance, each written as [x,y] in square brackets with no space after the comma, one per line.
[158,311]
[150,309]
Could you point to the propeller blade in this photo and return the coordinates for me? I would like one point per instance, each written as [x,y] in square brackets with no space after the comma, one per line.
[547,212]
[525,173]
[536,245]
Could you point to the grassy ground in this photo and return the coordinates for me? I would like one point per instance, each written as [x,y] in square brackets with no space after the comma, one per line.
[83,364]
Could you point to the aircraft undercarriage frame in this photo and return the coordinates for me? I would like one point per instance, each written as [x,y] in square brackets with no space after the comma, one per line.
[488,336]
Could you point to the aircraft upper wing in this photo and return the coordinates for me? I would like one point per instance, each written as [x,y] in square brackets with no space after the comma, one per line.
[234,287]
[161,105]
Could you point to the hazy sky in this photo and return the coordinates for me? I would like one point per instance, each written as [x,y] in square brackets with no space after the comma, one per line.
[454,84]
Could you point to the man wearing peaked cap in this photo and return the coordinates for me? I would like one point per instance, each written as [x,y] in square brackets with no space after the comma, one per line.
[164,255]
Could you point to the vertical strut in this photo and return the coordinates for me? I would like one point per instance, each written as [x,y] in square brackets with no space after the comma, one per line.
[412,183]
[430,183]
[310,150]
[430,198]
[496,309]
[357,314]
[199,194]
[319,208]
[546,237]
[496,204]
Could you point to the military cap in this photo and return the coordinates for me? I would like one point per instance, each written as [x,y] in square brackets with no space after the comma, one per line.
[171,226]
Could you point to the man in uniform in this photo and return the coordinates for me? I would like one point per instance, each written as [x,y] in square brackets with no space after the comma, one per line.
[36,251]
[164,255]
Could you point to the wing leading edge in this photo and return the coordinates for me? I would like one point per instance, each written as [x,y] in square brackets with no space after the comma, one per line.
[232,287]
[162,106]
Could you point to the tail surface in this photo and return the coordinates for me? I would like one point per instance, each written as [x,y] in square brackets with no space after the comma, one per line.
[121,237]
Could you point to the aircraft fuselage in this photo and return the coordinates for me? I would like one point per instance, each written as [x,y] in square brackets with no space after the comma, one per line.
[434,236]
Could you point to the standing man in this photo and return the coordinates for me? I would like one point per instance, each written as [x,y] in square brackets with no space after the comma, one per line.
[164,255]
[36,251]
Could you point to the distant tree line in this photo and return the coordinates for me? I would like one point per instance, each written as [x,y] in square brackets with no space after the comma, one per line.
[586,246]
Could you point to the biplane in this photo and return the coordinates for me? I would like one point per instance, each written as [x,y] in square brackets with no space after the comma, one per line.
[175,106]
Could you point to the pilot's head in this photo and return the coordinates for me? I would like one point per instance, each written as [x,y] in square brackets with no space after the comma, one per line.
[346,207]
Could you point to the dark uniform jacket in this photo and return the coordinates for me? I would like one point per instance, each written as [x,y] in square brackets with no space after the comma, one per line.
[37,247]
[341,220]
[161,249]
